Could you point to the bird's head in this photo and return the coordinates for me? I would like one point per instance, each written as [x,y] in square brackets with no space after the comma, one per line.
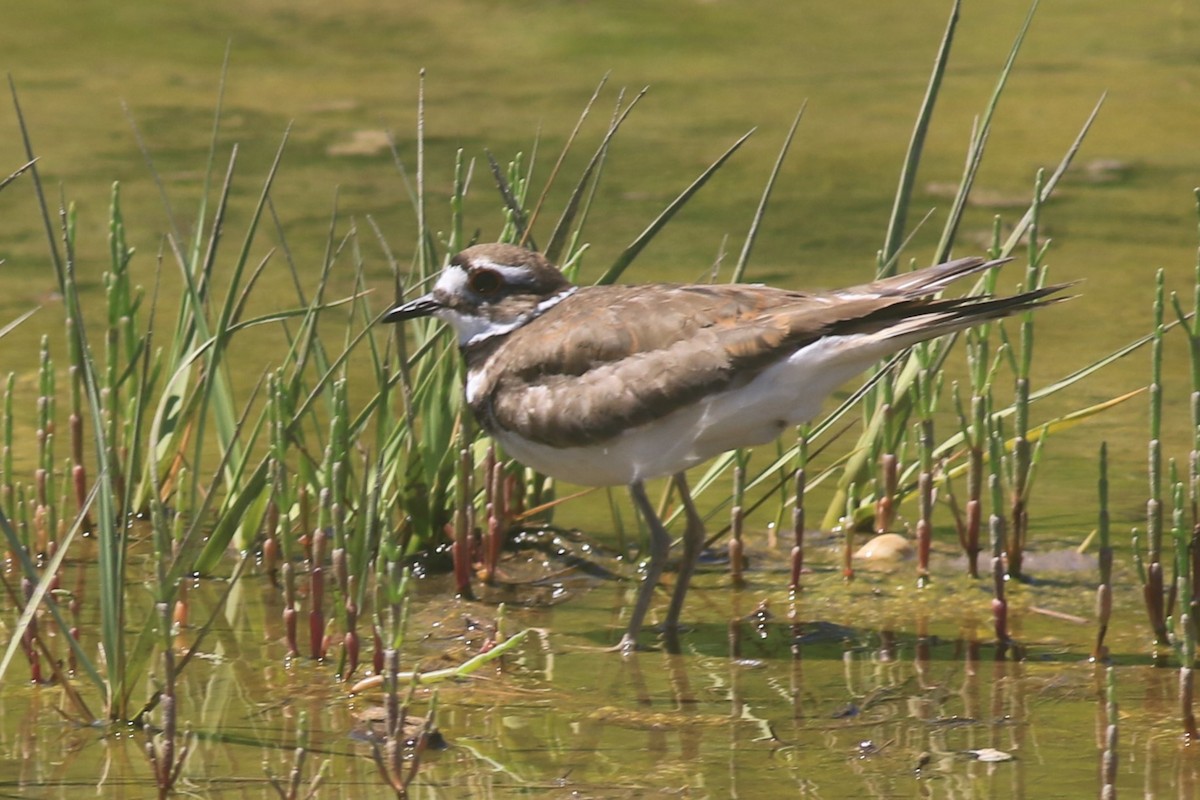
[488,290]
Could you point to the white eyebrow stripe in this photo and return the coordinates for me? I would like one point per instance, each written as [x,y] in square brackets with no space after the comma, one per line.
[452,281]
[511,274]
[454,278]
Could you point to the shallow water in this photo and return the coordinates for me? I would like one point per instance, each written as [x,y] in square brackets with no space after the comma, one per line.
[771,709]
[868,689]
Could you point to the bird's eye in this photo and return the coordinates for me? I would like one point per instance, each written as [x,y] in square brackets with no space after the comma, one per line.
[485,282]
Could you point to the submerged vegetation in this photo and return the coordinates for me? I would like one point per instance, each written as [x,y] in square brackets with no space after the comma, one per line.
[176,484]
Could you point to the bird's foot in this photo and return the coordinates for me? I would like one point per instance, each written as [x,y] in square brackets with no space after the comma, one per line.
[629,643]
[626,646]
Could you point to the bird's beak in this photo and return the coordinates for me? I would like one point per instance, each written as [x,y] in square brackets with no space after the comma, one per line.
[422,306]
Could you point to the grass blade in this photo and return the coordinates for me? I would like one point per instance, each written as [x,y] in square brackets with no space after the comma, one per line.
[744,258]
[916,145]
[631,252]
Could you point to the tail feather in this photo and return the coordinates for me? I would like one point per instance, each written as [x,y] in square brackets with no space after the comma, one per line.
[947,315]
[931,280]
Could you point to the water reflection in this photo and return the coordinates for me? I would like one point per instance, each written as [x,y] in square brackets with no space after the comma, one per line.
[782,698]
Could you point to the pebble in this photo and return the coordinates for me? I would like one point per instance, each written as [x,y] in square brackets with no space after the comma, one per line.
[886,547]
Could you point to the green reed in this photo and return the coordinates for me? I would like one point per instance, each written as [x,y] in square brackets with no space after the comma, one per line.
[998,540]
[1149,564]
[44,514]
[1189,322]
[1183,604]
[1021,472]
[8,494]
[798,512]
[973,423]
[1104,592]
[1183,627]
[1112,719]
[887,482]
[972,428]
[928,388]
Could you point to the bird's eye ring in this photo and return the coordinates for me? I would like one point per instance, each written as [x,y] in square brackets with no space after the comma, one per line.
[485,282]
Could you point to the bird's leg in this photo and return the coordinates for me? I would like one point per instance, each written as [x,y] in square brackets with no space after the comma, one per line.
[693,539]
[660,544]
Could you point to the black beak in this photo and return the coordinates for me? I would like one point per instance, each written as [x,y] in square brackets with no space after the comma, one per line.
[422,306]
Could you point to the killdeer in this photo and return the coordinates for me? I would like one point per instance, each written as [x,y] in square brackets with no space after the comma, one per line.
[609,385]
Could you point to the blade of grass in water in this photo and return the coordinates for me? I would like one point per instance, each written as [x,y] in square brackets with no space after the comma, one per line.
[558,242]
[217,391]
[978,143]
[739,269]
[916,146]
[644,238]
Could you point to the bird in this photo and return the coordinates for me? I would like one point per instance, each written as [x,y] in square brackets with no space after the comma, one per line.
[612,385]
